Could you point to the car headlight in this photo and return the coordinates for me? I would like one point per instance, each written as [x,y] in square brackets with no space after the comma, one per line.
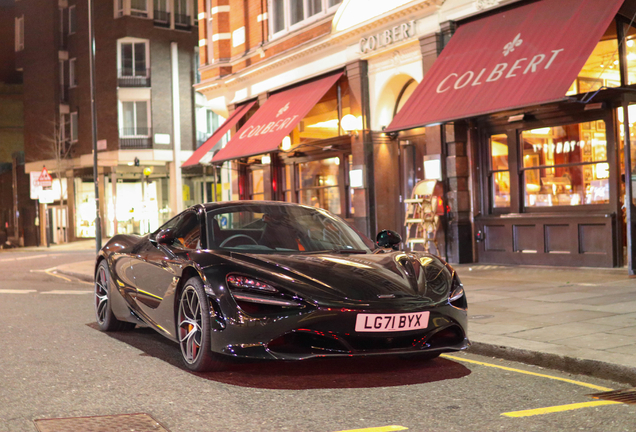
[252,290]
[238,281]
[457,295]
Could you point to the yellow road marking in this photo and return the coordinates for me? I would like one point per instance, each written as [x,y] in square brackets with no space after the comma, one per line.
[49,272]
[592,386]
[378,429]
[558,408]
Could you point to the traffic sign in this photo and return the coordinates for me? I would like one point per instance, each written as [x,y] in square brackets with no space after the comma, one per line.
[45,179]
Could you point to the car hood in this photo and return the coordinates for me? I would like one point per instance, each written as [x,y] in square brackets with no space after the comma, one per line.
[354,277]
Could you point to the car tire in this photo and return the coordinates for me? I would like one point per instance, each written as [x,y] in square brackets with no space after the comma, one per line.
[193,328]
[106,320]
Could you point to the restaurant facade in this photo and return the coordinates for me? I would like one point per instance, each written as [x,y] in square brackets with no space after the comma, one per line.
[528,130]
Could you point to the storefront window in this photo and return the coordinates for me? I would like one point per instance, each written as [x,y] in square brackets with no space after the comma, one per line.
[137,206]
[499,174]
[258,190]
[352,210]
[602,67]
[630,50]
[565,165]
[85,208]
[319,186]
[322,121]
[288,187]
[631,113]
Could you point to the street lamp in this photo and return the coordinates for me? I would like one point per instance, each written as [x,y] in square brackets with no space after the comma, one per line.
[91,51]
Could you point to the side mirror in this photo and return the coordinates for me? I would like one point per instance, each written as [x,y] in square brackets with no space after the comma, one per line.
[162,237]
[388,239]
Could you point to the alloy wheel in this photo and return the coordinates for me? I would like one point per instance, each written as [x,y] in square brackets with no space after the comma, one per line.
[190,331]
[101,295]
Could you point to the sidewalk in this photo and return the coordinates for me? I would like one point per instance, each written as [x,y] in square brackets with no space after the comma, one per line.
[580,320]
[71,246]
[576,320]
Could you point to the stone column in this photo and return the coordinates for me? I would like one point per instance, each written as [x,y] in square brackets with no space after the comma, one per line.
[362,148]
[459,224]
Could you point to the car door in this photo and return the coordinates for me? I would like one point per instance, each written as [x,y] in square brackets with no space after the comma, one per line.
[157,268]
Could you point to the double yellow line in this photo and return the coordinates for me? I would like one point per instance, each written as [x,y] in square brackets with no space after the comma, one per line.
[546,410]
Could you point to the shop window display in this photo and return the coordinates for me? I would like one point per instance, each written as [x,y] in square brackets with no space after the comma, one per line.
[322,121]
[319,186]
[137,207]
[499,171]
[602,67]
[258,190]
[288,186]
[565,165]
[631,113]
[630,53]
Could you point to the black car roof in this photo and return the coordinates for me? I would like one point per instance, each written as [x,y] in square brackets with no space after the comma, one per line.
[219,205]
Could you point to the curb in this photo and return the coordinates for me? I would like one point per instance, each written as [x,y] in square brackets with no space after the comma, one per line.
[80,276]
[595,368]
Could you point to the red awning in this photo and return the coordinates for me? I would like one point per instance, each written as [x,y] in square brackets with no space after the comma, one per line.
[519,57]
[218,134]
[278,116]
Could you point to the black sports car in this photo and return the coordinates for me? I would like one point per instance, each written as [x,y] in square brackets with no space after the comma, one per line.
[274,280]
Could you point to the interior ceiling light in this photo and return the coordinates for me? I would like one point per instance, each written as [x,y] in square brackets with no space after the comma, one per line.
[349,123]
[286,144]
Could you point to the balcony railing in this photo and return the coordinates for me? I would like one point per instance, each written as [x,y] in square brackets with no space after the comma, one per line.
[162,18]
[127,77]
[202,137]
[135,138]
[182,21]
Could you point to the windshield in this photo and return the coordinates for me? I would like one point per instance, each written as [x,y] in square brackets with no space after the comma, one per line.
[267,228]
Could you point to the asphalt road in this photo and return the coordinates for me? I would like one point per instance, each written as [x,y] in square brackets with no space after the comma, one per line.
[55,364]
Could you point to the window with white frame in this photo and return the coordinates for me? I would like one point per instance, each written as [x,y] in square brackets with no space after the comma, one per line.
[134,118]
[19,33]
[74,127]
[72,78]
[119,8]
[161,12]
[62,84]
[72,20]
[61,130]
[285,15]
[133,58]
[181,16]
[139,8]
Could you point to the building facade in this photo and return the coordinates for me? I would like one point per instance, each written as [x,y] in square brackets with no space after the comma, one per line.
[17,210]
[529,175]
[144,72]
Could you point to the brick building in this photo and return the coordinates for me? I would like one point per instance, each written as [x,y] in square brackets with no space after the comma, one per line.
[278,51]
[348,105]
[17,210]
[145,69]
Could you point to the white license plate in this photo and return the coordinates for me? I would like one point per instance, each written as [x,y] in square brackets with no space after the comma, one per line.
[391,322]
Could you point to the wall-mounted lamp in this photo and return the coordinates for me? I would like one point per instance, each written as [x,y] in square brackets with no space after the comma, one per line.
[351,124]
[266,160]
[286,144]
